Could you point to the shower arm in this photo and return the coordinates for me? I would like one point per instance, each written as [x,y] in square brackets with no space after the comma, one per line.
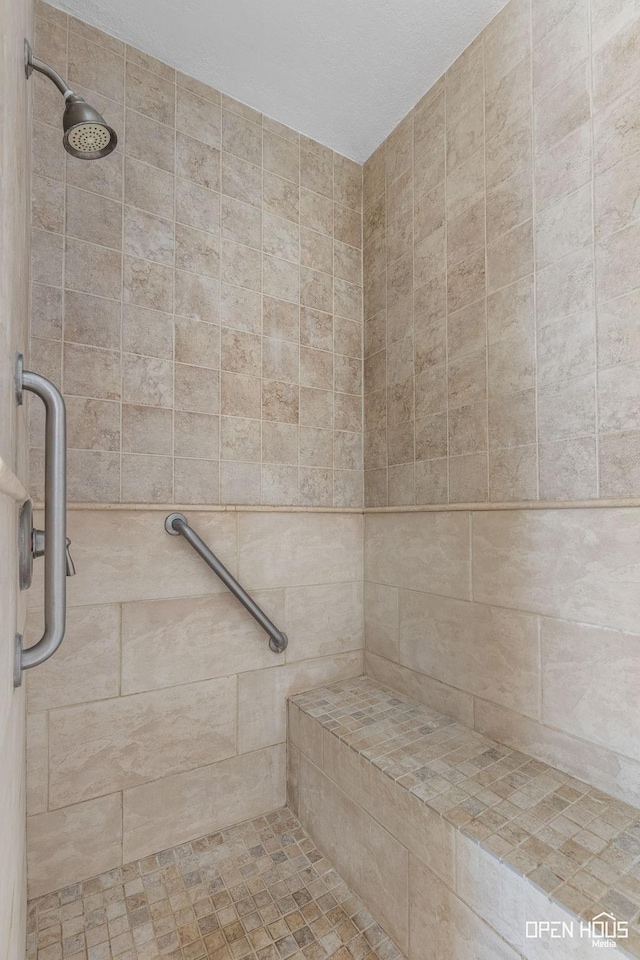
[32,63]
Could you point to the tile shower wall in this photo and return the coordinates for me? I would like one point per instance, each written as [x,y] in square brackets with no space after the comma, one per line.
[198,294]
[502,278]
[163,716]
[16,20]
[519,623]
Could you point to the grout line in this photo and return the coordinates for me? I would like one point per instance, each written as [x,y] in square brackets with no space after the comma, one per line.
[122,248]
[596,371]
[534,221]
[173,288]
[486,288]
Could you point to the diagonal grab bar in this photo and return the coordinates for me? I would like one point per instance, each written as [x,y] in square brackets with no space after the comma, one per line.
[177,525]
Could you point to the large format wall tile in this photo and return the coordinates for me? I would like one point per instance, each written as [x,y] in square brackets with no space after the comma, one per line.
[165,651]
[262,695]
[68,845]
[575,564]
[419,829]
[426,551]
[433,693]
[589,683]
[112,744]
[189,805]
[489,652]
[285,550]
[123,556]
[545,657]
[587,761]
[85,668]
[323,620]
[441,922]
[165,642]
[372,862]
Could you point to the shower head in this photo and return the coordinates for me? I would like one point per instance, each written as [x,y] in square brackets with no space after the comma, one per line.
[86,134]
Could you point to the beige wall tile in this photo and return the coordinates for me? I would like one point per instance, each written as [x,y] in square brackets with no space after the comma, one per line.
[240,482]
[567,409]
[150,736]
[189,805]
[278,550]
[165,642]
[493,892]
[618,463]
[370,859]
[280,483]
[561,563]
[95,67]
[439,920]
[323,620]
[47,205]
[90,371]
[137,560]
[568,469]
[148,236]
[95,476]
[196,389]
[94,321]
[86,667]
[212,218]
[403,815]
[198,116]
[89,268]
[590,762]
[588,681]
[382,619]
[262,695]
[498,153]
[196,481]
[304,734]
[146,430]
[68,845]
[618,339]
[489,652]
[148,188]
[419,551]
[93,424]
[293,777]
[37,763]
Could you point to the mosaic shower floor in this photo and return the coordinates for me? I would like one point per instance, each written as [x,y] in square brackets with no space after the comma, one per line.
[256,890]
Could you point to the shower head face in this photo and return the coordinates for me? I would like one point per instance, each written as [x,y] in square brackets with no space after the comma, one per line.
[86,135]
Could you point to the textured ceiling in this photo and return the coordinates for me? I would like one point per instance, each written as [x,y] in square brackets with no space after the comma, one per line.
[341,71]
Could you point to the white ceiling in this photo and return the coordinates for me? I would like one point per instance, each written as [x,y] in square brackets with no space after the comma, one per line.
[344,72]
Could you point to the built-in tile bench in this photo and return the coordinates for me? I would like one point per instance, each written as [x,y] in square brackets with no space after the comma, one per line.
[459,845]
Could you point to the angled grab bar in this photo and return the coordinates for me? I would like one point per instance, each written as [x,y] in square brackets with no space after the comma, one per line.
[53,543]
[177,525]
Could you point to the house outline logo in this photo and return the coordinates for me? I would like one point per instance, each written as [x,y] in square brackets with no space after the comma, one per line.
[604,926]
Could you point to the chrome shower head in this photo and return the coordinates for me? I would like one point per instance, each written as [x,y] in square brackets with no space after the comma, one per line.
[86,134]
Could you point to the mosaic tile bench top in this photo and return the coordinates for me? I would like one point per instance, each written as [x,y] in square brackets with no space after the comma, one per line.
[256,891]
[577,844]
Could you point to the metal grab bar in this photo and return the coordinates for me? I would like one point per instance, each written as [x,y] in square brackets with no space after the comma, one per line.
[177,525]
[55,545]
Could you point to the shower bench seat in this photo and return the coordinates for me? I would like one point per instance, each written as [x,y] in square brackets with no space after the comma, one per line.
[460,846]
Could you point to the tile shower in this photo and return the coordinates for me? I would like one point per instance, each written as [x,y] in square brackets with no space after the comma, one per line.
[400,401]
